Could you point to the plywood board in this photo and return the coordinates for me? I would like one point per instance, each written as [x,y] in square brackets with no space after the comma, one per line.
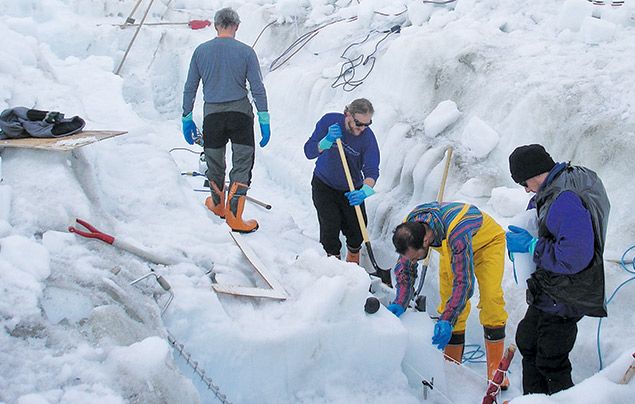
[255,262]
[248,291]
[276,291]
[65,143]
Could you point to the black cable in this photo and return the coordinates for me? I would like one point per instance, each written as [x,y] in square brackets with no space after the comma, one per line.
[261,32]
[301,42]
[184,149]
[438,2]
[348,69]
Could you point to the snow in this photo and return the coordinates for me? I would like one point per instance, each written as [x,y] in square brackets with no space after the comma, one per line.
[480,76]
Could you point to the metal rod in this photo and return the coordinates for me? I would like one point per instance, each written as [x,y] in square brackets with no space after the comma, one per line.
[133,11]
[164,284]
[134,37]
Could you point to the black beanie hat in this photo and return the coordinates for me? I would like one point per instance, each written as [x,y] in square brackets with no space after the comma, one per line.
[528,161]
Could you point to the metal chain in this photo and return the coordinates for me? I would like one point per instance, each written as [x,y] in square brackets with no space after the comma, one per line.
[197,370]
[179,347]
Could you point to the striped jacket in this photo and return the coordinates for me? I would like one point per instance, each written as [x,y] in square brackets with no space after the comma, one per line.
[459,240]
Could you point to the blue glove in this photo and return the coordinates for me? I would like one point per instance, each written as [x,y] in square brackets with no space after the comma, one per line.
[396,309]
[265,130]
[442,333]
[357,197]
[334,133]
[189,128]
[519,240]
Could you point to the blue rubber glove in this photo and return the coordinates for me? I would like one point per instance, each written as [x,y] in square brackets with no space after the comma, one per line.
[189,128]
[357,197]
[396,309]
[334,133]
[265,130]
[519,240]
[442,333]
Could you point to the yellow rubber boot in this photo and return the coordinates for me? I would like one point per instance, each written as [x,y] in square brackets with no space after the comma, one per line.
[234,211]
[217,209]
[454,349]
[494,350]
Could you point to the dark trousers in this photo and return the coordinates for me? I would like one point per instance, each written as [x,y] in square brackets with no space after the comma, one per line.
[545,341]
[237,128]
[335,215]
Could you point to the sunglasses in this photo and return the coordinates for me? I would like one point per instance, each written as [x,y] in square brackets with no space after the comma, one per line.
[362,124]
[523,184]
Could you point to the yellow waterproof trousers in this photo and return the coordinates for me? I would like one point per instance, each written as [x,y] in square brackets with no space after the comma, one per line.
[488,246]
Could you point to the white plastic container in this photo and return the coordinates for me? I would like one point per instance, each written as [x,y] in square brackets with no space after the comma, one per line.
[523,263]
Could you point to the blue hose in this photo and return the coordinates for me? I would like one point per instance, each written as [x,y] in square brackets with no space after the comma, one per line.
[473,354]
[624,267]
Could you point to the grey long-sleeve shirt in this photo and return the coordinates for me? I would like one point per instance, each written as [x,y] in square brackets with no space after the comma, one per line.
[225,65]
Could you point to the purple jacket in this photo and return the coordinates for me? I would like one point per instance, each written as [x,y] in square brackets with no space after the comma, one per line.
[362,154]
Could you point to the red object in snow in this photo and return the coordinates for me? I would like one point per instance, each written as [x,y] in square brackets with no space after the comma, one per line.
[199,24]
[92,232]
[494,385]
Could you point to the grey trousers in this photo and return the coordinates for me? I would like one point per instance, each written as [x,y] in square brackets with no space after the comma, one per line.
[237,128]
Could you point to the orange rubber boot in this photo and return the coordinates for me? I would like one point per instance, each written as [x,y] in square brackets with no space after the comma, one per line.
[454,349]
[352,256]
[494,350]
[217,209]
[234,211]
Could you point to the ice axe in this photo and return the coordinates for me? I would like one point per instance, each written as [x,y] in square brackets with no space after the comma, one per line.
[383,274]
[93,233]
[420,301]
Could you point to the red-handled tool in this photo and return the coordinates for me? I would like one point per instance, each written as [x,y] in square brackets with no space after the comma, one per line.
[107,238]
[92,232]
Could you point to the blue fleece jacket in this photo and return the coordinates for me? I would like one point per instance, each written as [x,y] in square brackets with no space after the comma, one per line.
[362,154]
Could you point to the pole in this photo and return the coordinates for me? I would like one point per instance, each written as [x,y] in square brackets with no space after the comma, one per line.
[134,37]
[426,261]
[130,20]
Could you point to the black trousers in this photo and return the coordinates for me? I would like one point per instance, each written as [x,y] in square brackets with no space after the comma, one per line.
[335,215]
[237,128]
[545,341]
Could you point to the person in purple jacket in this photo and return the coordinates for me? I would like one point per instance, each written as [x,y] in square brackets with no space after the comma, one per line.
[573,210]
[333,201]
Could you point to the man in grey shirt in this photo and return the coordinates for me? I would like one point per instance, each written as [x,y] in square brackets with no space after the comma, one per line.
[225,65]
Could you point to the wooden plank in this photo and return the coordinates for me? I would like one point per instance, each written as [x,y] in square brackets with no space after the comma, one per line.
[249,292]
[64,143]
[628,375]
[276,291]
[256,263]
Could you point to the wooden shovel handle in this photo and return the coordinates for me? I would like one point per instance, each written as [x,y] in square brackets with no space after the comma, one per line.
[349,179]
